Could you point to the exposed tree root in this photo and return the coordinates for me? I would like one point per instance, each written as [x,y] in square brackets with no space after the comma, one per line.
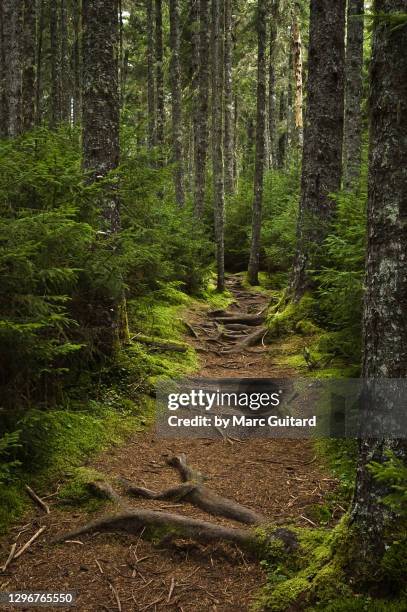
[191,490]
[250,340]
[248,319]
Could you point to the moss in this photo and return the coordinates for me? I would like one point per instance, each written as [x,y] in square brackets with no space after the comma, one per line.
[288,315]
[75,492]
[282,596]
[13,504]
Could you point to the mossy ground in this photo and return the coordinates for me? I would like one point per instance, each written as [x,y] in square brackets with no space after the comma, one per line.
[314,577]
[107,406]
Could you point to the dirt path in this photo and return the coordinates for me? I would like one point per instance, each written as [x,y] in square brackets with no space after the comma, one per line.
[278,478]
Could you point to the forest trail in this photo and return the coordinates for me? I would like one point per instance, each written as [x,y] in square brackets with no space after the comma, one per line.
[278,478]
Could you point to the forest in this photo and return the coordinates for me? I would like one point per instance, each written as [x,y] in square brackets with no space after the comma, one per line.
[205,190]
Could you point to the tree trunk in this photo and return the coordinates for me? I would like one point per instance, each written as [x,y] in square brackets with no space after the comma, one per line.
[228,142]
[282,131]
[65,81]
[28,82]
[297,66]
[12,22]
[159,75]
[253,269]
[101,97]
[322,154]
[55,101]
[352,142]
[3,80]
[273,119]
[150,75]
[176,96]
[203,109]
[40,36]
[77,93]
[385,309]
[101,149]
[193,23]
[217,133]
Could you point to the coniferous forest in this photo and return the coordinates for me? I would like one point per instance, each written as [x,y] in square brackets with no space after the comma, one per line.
[213,189]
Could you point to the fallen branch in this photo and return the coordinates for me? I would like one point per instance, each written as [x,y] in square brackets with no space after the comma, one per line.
[10,557]
[41,503]
[28,544]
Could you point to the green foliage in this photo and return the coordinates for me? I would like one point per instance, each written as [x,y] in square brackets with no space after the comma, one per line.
[340,279]
[393,473]
[9,444]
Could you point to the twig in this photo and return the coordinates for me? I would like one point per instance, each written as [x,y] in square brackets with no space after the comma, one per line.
[309,520]
[10,557]
[74,542]
[37,499]
[116,596]
[172,586]
[30,541]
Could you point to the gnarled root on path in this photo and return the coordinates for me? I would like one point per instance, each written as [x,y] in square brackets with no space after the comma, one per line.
[192,490]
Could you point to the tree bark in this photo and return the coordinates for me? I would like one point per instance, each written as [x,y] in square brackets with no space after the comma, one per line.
[297,66]
[150,74]
[76,51]
[353,125]
[28,77]
[3,80]
[272,106]
[176,96]
[65,81]
[385,307]
[100,111]
[253,269]
[203,109]
[217,144]
[159,75]
[228,61]
[323,135]
[55,101]
[12,27]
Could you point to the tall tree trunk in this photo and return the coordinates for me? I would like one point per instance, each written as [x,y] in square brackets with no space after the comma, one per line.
[150,74]
[253,270]
[352,143]
[193,18]
[297,66]
[65,81]
[217,137]
[40,37]
[385,309]
[3,80]
[203,108]
[159,74]
[28,82]
[228,138]
[282,131]
[101,149]
[322,154]
[12,23]
[176,96]
[272,105]
[101,97]
[77,67]
[55,101]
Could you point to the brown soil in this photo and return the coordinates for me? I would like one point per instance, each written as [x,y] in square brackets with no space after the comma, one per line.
[278,478]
